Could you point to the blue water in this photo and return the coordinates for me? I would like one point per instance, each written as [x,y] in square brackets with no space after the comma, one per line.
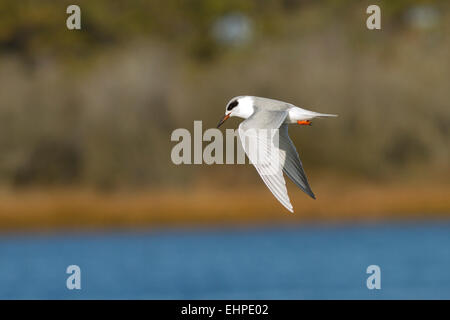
[307,262]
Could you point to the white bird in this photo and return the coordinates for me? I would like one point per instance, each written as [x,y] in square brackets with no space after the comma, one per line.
[276,153]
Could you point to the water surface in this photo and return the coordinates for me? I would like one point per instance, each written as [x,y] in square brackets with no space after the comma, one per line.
[307,262]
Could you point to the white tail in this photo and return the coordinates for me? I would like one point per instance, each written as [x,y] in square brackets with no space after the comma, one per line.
[326,115]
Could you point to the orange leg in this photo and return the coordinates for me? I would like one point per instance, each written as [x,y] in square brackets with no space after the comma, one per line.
[304,122]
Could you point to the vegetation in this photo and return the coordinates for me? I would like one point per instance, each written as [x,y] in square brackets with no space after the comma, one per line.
[94,109]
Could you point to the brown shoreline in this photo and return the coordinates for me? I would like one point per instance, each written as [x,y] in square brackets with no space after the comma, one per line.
[75,209]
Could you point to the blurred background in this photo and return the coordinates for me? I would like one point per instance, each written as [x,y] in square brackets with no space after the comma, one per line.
[86,175]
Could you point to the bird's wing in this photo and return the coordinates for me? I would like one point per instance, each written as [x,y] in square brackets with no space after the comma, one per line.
[259,136]
[293,166]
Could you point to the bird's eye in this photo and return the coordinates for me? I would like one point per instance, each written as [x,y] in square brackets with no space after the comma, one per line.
[232,105]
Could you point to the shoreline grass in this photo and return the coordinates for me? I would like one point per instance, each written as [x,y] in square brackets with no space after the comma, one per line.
[46,210]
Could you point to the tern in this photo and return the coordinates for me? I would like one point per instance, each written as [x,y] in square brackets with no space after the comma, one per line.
[279,153]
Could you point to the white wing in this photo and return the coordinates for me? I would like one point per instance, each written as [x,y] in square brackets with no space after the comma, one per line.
[259,136]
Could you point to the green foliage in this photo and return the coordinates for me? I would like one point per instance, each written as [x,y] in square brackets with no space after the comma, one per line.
[29,27]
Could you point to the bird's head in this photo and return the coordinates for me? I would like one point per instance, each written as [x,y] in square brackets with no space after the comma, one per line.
[242,107]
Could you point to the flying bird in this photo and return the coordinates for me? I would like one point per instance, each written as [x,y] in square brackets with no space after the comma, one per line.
[266,127]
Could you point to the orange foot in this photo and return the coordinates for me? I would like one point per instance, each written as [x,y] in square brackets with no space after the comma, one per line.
[304,122]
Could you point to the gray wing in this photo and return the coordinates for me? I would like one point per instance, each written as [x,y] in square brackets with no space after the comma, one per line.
[293,165]
[261,130]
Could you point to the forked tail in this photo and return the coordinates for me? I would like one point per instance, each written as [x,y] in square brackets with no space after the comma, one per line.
[326,115]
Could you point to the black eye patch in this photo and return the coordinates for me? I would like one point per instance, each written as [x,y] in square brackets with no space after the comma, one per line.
[232,105]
